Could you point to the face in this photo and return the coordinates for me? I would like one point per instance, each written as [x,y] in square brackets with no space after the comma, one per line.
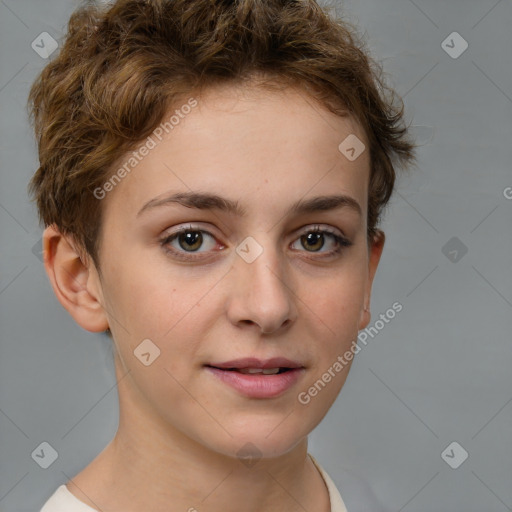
[263,284]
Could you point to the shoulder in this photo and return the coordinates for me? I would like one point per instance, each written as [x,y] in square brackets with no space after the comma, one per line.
[63,501]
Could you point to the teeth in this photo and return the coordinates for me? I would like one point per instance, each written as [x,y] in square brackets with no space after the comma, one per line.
[266,371]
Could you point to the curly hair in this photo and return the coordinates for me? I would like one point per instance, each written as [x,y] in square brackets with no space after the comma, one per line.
[122,66]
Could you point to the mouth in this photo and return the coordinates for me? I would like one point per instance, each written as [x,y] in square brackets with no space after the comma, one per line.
[255,378]
[254,366]
[254,371]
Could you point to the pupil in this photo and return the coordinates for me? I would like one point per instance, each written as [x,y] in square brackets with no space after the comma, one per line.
[190,236]
[318,235]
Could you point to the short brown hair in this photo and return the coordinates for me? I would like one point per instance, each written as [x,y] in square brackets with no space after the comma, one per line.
[123,66]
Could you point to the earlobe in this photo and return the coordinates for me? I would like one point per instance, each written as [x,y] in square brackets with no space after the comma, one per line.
[74,281]
[375,252]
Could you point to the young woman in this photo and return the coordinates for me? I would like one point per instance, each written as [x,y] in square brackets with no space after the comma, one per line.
[211,180]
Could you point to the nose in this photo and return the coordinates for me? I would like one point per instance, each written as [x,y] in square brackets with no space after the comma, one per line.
[261,292]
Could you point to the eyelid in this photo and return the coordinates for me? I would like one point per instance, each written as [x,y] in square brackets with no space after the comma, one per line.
[321,228]
[188,226]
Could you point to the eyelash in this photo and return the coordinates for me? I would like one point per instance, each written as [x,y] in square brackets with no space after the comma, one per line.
[341,242]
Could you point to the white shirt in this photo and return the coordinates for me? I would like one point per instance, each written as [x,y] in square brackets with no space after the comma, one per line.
[63,501]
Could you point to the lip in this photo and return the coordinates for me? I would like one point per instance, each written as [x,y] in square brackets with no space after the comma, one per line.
[258,385]
[253,362]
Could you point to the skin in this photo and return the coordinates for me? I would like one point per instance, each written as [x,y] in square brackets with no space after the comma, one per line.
[180,428]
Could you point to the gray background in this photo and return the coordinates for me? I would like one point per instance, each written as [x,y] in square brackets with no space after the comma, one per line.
[438,372]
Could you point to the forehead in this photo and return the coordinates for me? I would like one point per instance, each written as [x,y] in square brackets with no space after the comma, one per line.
[247,142]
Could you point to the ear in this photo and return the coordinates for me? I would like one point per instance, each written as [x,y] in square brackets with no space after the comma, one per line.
[375,252]
[74,279]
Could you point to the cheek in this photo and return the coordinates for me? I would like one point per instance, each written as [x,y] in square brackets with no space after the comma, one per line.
[169,313]
[146,301]
[171,310]
[336,301]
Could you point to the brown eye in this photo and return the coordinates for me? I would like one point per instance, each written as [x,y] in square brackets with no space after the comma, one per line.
[188,240]
[314,240]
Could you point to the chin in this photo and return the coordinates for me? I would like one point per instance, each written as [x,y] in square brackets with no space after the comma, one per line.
[259,440]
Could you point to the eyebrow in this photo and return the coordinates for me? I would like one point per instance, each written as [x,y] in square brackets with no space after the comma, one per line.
[205,201]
